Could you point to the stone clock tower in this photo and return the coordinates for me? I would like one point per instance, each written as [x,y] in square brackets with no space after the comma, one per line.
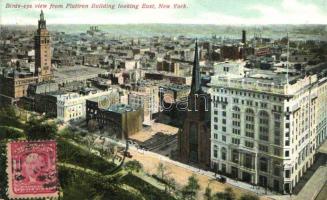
[43,51]
[194,138]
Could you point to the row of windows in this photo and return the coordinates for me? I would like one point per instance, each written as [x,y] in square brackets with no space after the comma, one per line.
[250,94]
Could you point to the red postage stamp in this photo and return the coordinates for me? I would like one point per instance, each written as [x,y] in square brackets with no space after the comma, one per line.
[32,169]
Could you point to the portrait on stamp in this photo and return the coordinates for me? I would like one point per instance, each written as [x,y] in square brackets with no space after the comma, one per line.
[32,169]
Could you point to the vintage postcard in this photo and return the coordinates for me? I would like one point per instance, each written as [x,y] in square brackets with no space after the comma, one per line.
[163,99]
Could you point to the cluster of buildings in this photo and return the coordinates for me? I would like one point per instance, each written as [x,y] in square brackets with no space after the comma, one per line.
[254,110]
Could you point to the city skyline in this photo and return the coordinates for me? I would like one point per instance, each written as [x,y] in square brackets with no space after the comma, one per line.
[253,12]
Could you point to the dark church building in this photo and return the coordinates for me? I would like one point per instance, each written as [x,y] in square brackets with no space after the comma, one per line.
[194,138]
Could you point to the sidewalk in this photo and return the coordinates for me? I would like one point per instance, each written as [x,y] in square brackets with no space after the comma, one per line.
[257,190]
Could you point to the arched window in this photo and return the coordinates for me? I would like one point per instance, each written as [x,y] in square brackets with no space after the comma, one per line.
[263,164]
[249,111]
[235,155]
[237,109]
[193,142]
[215,151]
[223,153]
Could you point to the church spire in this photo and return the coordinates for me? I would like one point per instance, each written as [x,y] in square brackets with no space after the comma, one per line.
[196,82]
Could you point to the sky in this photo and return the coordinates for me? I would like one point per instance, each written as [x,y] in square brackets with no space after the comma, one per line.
[219,12]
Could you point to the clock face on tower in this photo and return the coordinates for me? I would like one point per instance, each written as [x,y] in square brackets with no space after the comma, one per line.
[104,102]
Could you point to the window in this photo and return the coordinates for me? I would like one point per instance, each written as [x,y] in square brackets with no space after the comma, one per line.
[236,116]
[235,156]
[215,151]
[263,148]
[249,144]
[264,137]
[277,117]
[236,109]
[287,153]
[224,113]
[276,151]
[223,138]
[249,126]
[249,134]
[215,127]
[223,153]
[224,129]
[215,136]
[236,123]
[249,118]
[248,161]
[287,173]
[236,131]
[276,171]
[236,141]
[263,164]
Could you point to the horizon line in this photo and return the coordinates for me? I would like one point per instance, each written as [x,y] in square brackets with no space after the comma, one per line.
[317,24]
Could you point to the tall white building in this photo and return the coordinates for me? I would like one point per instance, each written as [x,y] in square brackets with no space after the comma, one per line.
[264,129]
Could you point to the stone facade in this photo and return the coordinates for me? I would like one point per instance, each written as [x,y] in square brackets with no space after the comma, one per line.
[266,131]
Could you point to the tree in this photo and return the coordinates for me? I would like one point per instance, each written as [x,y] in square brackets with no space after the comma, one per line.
[171,184]
[7,132]
[208,193]
[67,133]
[249,197]
[39,129]
[190,191]
[9,117]
[162,171]
[228,194]
[133,165]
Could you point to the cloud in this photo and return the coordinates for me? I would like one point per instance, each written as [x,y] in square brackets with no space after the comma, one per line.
[290,12]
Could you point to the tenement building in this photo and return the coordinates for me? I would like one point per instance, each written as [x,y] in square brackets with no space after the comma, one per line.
[266,126]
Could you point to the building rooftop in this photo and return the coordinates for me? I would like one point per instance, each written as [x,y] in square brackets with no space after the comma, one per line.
[121,108]
[175,87]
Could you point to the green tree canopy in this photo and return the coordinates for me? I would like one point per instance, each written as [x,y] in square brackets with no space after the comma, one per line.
[249,197]
[9,117]
[190,191]
[39,129]
[228,194]
[133,165]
